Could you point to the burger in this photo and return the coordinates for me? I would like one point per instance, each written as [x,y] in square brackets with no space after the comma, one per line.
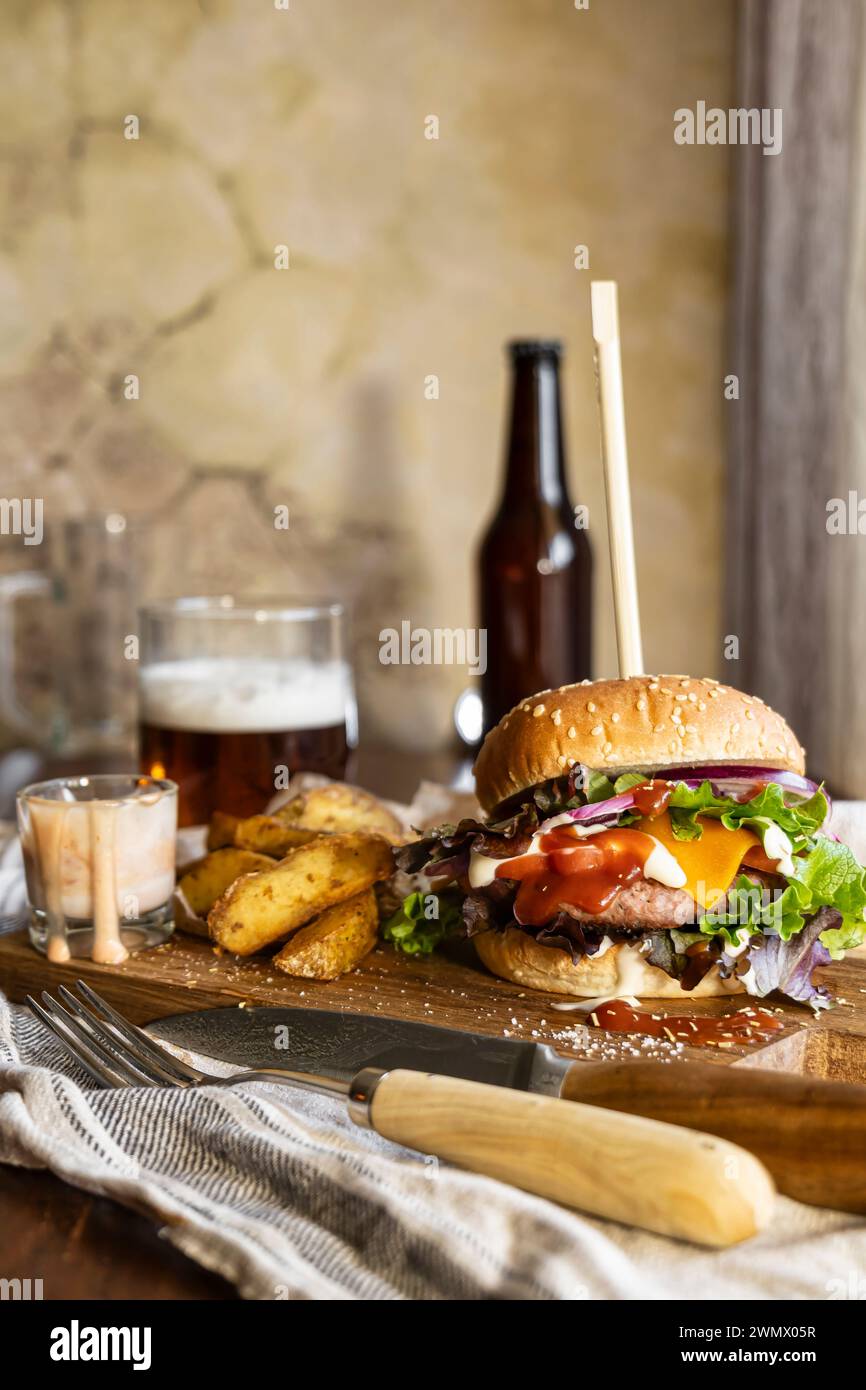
[653,836]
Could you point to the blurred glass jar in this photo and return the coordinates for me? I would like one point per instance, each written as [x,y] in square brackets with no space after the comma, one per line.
[67,664]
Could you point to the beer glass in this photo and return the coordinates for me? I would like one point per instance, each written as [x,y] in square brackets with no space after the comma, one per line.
[235,696]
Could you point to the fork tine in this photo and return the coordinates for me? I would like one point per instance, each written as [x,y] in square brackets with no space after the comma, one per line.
[106,1036]
[83,1055]
[122,1064]
[137,1037]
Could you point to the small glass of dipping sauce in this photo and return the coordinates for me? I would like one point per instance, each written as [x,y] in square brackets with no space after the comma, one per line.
[99,860]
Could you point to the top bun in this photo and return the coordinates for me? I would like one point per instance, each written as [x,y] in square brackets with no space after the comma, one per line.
[647,723]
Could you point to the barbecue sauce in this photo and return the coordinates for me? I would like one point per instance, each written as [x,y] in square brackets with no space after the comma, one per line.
[585,873]
[651,798]
[744,1026]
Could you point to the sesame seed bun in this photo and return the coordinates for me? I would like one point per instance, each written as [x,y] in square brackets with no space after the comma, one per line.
[515,955]
[645,723]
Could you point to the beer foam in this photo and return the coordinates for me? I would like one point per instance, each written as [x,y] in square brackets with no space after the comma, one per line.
[230,695]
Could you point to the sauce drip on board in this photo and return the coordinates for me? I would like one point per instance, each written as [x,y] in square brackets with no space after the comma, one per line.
[587,873]
[745,1026]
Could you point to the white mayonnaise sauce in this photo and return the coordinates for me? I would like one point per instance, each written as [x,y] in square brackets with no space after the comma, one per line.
[777,846]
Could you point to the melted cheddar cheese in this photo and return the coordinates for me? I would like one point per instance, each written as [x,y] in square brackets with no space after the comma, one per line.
[710,864]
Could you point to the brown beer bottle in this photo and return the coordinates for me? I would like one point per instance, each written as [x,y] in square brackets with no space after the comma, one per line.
[535,560]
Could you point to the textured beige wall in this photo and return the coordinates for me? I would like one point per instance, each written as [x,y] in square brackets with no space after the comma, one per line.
[408,257]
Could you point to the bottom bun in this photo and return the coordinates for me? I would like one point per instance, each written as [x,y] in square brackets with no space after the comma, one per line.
[515,955]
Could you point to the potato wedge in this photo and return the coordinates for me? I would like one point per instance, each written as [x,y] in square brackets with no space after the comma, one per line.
[207,880]
[341,807]
[262,908]
[221,830]
[267,835]
[334,942]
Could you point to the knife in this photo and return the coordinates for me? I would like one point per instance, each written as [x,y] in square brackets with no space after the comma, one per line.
[809,1133]
[491,1106]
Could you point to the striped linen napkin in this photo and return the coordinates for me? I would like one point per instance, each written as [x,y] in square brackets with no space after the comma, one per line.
[279,1191]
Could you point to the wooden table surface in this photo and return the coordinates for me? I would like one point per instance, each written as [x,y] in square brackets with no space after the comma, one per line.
[87,1247]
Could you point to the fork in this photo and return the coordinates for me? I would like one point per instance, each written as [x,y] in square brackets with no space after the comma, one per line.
[624,1167]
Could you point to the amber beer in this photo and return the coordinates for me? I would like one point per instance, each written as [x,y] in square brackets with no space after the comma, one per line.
[535,562]
[228,733]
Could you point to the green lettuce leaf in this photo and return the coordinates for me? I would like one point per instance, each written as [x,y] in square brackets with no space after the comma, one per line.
[598,787]
[800,821]
[827,875]
[423,921]
[838,940]
[627,781]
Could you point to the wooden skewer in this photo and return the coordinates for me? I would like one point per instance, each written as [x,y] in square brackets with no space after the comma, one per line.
[605,332]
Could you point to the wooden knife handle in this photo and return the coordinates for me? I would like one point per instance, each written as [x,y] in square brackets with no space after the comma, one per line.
[810,1134]
[673,1181]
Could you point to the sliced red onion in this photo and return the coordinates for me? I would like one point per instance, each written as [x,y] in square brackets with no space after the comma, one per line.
[738,783]
[599,810]
[719,772]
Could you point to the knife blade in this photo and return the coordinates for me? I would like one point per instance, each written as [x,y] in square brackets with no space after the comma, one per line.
[339,1045]
[809,1132]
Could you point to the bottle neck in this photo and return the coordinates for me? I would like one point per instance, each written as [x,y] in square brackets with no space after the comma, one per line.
[535,463]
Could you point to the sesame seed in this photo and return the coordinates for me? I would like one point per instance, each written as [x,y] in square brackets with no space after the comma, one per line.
[538,711]
[556,717]
[607,747]
[653,685]
[691,729]
[561,760]
[614,718]
[641,704]
[591,707]
[659,729]
[681,731]
[693,697]
[780,747]
[572,731]
[702,704]
[685,684]
[680,698]
[597,731]
[572,762]
[735,728]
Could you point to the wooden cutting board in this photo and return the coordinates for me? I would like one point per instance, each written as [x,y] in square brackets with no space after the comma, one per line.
[454,991]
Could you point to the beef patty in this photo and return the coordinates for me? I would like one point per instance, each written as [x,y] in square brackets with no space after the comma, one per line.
[649,906]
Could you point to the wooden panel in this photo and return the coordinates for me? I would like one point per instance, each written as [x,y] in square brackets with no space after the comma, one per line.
[792,250]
